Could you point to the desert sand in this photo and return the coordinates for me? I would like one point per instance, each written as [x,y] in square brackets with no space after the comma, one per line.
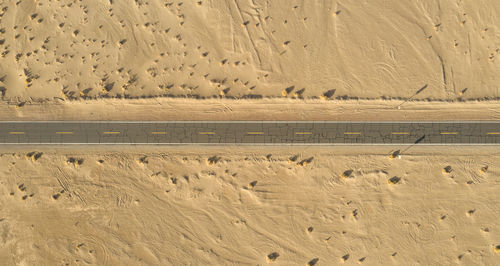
[160,206]
[249,60]
[347,49]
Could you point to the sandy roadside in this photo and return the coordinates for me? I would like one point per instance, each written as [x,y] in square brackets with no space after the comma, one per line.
[164,109]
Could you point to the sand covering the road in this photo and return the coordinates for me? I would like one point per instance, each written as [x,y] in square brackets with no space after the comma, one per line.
[338,60]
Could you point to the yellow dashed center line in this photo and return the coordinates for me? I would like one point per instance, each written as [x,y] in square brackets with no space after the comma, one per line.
[158,133]
[207,133]
[255,133]
[303,133]
[111,132]
[493,133]
[64,133]
[400,133]
[16,133]
[352,133]
[449,133]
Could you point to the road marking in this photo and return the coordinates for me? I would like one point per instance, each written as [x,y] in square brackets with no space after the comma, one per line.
[303,133]
[111,132]
[400,133]
[255,133]
[64,133]
[158,133]
[352,133]
[493,133]
[207,133]
[449,133]
[16,133]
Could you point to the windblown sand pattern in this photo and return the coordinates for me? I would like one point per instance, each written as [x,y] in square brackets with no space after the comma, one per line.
[69,49]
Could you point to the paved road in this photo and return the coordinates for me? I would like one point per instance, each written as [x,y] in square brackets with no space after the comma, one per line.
[250,132]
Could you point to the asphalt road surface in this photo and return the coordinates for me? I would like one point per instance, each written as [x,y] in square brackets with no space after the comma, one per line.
[251,132]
